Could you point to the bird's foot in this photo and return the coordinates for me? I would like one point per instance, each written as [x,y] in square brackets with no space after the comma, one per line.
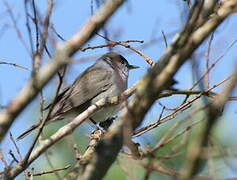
[106,124]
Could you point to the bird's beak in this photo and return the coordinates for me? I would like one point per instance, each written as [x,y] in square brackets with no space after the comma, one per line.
[132,67]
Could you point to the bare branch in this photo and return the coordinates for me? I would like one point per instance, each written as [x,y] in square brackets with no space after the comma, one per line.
[61,58]
[154,82]
[16,65]
[193,161]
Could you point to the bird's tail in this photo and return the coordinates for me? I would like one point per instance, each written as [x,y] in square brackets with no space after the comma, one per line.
[28,131]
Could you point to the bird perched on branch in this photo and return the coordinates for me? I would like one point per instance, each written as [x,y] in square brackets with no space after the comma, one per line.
[107,77]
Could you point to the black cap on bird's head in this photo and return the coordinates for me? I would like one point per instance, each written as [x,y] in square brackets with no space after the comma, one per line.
[117,58]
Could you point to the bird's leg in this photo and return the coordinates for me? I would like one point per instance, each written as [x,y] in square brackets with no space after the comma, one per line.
[97,125]
[92,120]
[106,124]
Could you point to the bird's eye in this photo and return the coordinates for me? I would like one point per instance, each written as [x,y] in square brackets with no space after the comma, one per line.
[123,60]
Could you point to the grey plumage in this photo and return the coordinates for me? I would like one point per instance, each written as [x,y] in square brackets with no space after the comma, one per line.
[107,77]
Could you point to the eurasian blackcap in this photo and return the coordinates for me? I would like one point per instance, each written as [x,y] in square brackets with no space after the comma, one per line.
[107,77]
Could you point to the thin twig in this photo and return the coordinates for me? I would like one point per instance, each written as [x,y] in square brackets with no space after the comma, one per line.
[153,125]
[16,65]
[193,160]
[148,59]
[13,156]
[165,40]
[15,145]
[18,32]
[214,64]
[36,65]
[208,56]
[110,44]
[57,34]
[2,158]
[28,26]
[49,172]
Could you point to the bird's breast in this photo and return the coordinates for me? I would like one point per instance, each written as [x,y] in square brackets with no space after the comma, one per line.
[120,81]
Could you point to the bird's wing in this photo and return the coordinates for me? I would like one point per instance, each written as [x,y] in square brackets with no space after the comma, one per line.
[89,84]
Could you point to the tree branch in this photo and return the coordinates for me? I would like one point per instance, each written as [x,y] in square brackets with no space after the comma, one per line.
[156,80]
[62,57]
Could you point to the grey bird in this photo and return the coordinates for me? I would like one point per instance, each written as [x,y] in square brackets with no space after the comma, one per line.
[107,77]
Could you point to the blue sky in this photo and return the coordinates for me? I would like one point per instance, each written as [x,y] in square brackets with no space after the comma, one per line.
[140,20]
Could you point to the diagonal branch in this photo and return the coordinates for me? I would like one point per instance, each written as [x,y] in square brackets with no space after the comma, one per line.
[156,80]
[62,57]
[68,129]
[194,161]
